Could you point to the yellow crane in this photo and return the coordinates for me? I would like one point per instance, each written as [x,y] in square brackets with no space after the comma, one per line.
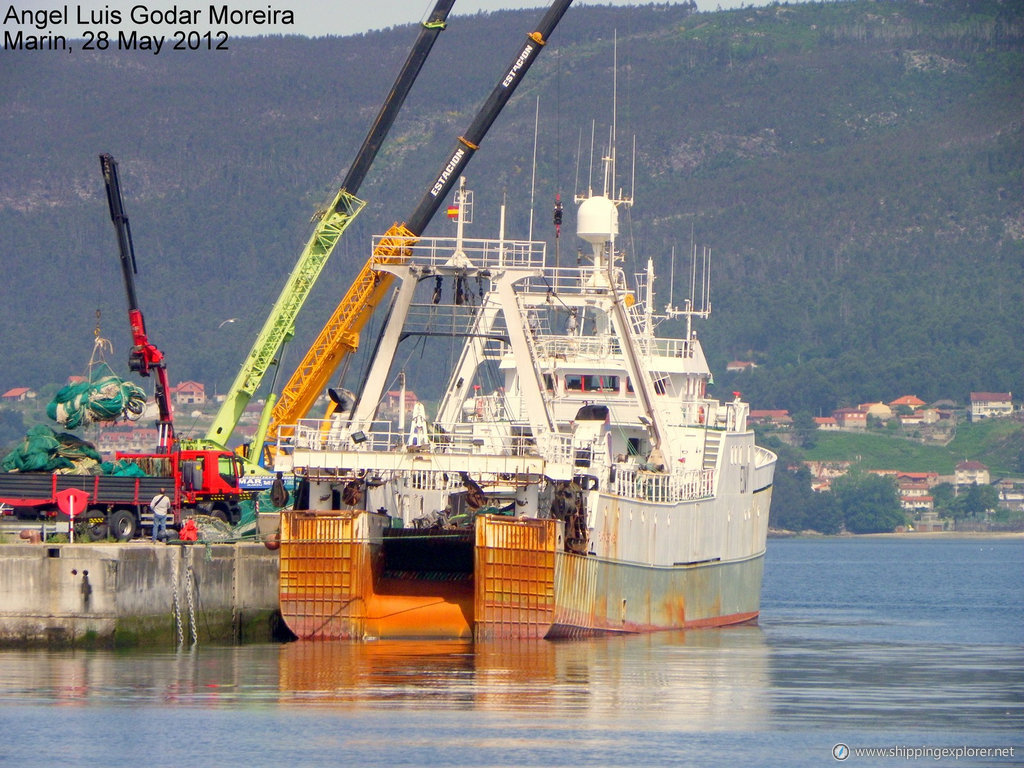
[279,326]
[340,335]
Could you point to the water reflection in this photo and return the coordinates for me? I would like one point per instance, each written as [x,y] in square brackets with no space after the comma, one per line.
[740,679]
[700,680]
[689,680]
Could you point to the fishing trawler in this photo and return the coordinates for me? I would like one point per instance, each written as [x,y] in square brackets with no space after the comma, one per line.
[576,479]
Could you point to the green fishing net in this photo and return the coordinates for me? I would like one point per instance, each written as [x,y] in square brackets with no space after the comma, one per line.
[122,468]
[105,397]
[43,450]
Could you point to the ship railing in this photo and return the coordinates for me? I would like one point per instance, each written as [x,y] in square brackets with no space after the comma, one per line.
[763,457]
[462,439]
[664,488]
[557,447]
[568,347]
[654,347]
[764,467]
[635,313]
[573,280]
[438,251]
[431,480]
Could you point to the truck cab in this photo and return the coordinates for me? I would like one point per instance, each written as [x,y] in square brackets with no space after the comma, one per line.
[204,481]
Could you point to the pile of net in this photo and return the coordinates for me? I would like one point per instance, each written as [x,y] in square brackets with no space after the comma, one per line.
[103,398]
[43,450]
[212,529]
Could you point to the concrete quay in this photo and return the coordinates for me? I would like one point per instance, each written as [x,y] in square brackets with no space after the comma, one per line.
[138,593]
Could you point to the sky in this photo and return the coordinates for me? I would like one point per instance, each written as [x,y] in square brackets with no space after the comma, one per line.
[311,17]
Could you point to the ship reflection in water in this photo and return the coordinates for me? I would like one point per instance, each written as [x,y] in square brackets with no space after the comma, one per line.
[698,680]
[701,680]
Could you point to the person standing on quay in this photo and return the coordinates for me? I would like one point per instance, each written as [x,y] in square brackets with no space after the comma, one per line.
[160,505]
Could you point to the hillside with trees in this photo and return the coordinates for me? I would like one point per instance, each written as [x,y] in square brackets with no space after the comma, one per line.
[866,499]
[855,166]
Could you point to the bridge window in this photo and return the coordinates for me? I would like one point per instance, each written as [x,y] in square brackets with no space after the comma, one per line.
[592,382]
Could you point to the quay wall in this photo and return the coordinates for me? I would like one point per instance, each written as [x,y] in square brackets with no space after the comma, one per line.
[137,593]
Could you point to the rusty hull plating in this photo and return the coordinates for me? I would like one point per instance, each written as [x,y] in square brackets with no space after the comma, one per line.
[335,585]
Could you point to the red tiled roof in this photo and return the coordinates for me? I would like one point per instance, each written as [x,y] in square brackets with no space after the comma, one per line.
[991,397]
[908,400]
[918,475]
[969,465]
[774,414]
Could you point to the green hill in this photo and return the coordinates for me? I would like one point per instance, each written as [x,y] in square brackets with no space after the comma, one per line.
[997,443]
[855,167]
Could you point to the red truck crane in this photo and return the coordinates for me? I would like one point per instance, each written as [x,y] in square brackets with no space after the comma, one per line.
[203,481]
[144,358]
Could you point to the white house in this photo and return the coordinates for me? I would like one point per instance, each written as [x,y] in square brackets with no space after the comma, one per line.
[968,472]
[188,393]
[985,405]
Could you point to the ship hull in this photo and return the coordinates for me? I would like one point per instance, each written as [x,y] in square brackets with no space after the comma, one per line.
[346,575]
[644,599]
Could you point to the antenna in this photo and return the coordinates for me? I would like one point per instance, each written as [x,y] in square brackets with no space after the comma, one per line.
[615,107]
[672,278]
[533,176]
[590,176]
[557,221]
[579,152]
[693,274]
[501,228]
[707,280]
[609,170]
[632,181]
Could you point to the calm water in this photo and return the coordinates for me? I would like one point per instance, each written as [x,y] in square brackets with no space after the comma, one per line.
[870,642]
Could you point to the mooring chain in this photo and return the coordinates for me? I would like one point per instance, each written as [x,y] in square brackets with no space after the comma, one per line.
[189,594]
[176,602]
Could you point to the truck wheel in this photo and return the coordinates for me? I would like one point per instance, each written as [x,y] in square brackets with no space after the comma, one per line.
[122,525]
[91,528]
[86,531]
[98,531]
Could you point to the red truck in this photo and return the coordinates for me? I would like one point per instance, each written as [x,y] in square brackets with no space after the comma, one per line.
[198,482]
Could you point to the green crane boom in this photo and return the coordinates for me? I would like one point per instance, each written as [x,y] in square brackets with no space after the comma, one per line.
[279,326]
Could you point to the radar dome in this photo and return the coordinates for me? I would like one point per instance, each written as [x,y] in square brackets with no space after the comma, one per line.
[597,220]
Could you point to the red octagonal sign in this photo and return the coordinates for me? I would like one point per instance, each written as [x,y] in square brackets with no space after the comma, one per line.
[72,501]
